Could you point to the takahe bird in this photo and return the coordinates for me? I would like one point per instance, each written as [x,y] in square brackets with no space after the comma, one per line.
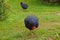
[31,22]
[24,6]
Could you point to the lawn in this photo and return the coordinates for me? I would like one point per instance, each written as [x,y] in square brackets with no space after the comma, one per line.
[13,27]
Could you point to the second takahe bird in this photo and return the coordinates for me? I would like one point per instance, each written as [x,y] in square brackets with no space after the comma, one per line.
[31,22]
[24,6]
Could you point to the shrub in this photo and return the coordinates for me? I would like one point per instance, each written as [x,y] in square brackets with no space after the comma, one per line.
[2,10]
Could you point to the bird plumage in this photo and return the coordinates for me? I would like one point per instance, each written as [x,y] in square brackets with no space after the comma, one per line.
[31,22]
[23,5]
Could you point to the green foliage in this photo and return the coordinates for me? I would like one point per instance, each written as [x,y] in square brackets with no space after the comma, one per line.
[2,10]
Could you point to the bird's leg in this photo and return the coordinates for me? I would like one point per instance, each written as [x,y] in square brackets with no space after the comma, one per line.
[31,33]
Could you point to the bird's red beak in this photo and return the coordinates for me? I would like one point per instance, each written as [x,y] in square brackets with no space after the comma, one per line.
[33,27]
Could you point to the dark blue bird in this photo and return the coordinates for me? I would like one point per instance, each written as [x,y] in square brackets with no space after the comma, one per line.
[24,6]
[31,22]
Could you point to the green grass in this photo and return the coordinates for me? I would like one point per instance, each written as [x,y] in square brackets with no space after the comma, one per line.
[13,27]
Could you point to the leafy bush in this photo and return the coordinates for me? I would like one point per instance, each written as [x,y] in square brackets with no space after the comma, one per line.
[2,10]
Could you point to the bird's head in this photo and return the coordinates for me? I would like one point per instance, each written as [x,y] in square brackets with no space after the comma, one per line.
[21,2]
